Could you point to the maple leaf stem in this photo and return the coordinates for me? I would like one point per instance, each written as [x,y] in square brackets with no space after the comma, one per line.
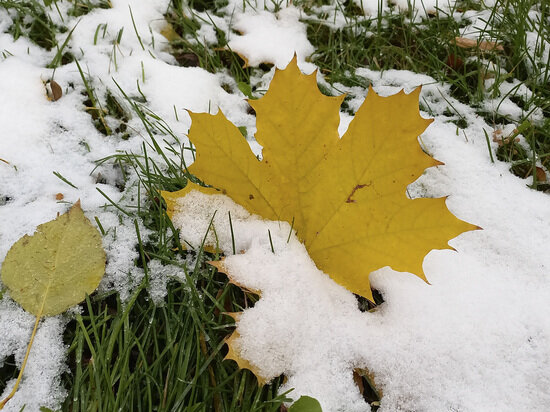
[29,346]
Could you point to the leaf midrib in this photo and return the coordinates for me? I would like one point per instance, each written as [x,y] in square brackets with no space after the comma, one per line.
[51,277]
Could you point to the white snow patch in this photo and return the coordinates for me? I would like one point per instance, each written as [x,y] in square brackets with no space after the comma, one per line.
[272,38]
[159,276]
[425,7]
[372,7]
[420,8]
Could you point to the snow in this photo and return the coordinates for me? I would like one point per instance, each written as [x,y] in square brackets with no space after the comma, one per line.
[420,8]
[371,7]
[426,7]
[476,338]
[272,38]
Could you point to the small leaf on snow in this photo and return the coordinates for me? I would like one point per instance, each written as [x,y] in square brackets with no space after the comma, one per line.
[305,404]
[53,90]
[54,269]
[57,92]
[170,33]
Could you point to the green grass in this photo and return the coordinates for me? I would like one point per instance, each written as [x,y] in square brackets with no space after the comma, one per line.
[31,20]
[141,356]
[138,355]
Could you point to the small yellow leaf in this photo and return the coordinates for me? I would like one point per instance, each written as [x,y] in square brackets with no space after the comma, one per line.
[54,269]
[346,197]
[170,33]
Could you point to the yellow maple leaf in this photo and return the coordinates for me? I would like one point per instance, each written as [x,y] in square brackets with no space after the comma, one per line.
[345,196]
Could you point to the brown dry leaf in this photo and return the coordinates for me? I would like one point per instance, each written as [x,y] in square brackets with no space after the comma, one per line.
[57,92]
[233,353]
[483,45]
[53,90]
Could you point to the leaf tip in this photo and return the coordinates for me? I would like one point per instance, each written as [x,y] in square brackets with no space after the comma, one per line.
[422,276]
[218,264]
[294,59]
[416,91]
[234,355]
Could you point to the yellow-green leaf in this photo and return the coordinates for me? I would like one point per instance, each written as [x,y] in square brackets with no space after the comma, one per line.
[306,404]
[346,197]
[54,269]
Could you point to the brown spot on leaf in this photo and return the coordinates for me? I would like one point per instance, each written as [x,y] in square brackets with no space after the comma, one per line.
[355,189]
[251,196]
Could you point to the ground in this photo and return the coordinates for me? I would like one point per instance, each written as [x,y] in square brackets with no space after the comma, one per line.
[94,106]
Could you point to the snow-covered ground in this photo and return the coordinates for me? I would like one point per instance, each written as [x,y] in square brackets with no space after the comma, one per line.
[476,339]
